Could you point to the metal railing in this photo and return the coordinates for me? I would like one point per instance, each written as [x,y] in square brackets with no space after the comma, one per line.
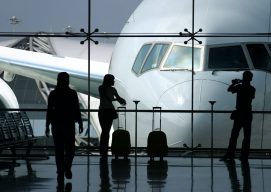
[181,149]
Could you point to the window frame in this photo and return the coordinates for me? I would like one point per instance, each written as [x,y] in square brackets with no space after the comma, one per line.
[144,60]
[265,44]
[245,51]
[153,43]
[202,50]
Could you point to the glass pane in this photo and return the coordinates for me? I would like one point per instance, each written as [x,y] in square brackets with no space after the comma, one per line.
[227,58]
[155,57]
[46,16]
[181,58]
[259,56]
[140,58]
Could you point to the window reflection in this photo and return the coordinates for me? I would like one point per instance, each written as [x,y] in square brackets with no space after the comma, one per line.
[140,58]
[180,57]
[155,57]
[227,57]
[259,56]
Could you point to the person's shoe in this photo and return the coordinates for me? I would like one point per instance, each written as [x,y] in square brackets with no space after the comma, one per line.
[226,158]
[60,179]
[68,187]
[60,187]
[68,174]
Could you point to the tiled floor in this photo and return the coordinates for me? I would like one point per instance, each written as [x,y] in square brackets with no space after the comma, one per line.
[137,175]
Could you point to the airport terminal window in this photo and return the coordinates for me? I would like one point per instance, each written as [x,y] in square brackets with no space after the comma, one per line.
[140,58]
[259,56]
[155,57]
[180,57]
[227,58]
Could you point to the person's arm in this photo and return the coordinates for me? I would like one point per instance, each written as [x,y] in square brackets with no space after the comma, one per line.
[78,114]
[234,86]
[118,98]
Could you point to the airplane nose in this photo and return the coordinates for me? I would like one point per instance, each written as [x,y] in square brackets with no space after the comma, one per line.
[179,97]
[176,125]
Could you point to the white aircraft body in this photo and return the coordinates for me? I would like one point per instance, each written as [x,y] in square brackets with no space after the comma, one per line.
[157,70]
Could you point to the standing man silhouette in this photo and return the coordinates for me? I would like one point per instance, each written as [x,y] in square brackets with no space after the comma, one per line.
[62,113]
[243,115]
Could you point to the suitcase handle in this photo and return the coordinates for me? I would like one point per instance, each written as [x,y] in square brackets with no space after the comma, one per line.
[124,110]
[155,110]
[121,108]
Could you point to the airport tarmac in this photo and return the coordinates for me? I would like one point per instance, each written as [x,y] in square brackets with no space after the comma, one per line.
[138,175]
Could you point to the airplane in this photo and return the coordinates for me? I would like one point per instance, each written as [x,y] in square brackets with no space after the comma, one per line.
[157,70]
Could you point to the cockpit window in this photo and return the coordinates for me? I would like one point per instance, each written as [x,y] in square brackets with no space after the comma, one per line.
[229,57]
[140,58]
[259,56]
[180,57]
[155,57]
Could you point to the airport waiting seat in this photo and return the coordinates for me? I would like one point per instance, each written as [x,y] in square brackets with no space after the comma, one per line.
[27,125]
[6,137]
[16,130]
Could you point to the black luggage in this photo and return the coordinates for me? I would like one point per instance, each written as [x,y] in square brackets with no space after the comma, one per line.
[157,140]
[121,143]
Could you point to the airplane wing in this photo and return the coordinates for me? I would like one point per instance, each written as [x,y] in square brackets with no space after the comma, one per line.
[45,67]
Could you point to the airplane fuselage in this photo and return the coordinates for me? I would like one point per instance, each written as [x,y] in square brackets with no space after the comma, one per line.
[166,82]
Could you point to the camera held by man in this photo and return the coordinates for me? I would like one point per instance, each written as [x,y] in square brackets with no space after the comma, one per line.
[236,81]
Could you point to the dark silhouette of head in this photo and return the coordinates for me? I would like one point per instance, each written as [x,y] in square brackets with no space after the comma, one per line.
[108,80]
[247,76]
[63,80]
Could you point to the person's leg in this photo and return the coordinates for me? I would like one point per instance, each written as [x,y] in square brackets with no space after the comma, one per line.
[70,150]
[233,139]
[246,140]
[106,124]
[235,183]
[105,139]
[59,155]
[246,176]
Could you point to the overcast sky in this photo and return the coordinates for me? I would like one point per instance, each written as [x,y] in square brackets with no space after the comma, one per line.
[56,15]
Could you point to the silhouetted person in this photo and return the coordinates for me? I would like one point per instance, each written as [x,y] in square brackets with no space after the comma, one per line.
[62,113]
[105,185]
[107,112]
[61,188]
[242,116]
[235,182]
[246,176]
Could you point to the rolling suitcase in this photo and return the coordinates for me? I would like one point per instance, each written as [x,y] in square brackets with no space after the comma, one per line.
[121,143]
[157,140]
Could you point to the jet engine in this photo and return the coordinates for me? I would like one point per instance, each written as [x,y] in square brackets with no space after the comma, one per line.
[7,96]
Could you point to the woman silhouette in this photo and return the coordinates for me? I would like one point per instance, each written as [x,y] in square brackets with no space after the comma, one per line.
[107,112]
